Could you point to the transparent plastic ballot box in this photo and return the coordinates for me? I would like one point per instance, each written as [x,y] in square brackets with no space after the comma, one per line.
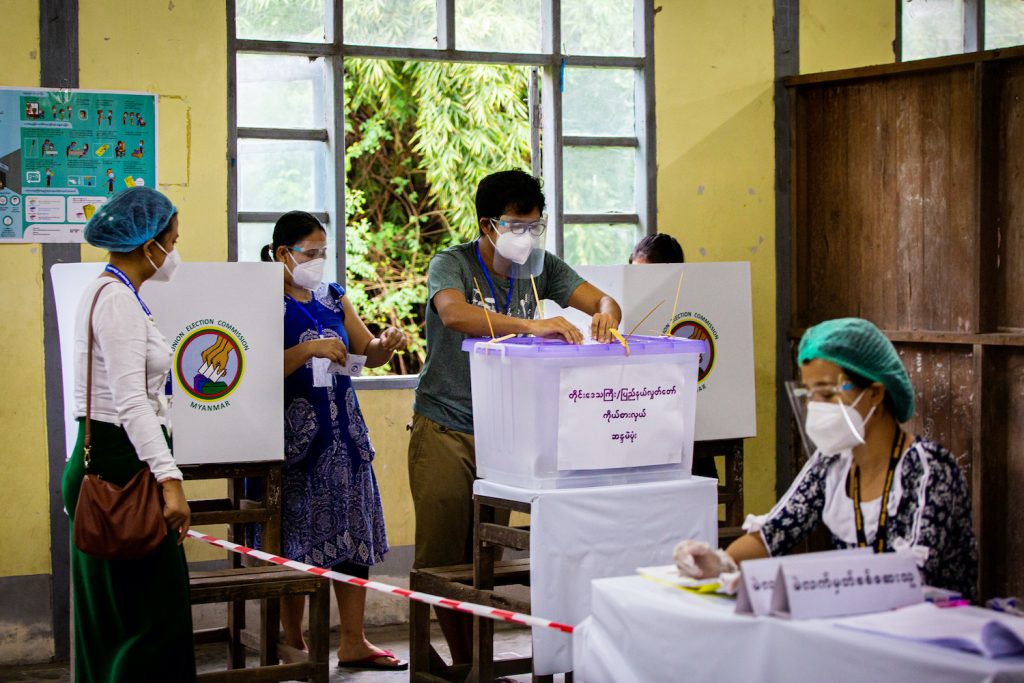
[548,414]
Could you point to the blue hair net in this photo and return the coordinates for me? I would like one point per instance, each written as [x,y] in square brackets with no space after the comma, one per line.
[132,218]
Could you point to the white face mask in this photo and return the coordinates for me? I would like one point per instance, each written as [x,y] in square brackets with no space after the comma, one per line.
[833,428]
[165,271]
[515,248]
[307,275]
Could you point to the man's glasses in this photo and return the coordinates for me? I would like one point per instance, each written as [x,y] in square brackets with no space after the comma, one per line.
[312,252]
[535,228]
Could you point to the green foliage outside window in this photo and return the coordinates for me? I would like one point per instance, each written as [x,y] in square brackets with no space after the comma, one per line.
[419,136]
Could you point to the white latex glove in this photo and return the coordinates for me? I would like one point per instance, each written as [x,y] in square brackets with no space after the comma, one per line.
[698,560]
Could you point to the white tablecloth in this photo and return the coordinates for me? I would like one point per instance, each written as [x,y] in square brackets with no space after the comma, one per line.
[643,632]
[581,534]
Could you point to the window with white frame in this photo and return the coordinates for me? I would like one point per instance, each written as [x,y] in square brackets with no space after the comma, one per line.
[935,28]
[380,116]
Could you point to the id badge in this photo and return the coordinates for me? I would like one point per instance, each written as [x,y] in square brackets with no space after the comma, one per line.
[322,377]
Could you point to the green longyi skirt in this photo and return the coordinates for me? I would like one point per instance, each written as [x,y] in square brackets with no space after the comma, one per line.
[133,619]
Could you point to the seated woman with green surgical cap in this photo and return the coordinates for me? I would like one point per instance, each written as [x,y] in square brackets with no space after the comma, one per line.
[870,482]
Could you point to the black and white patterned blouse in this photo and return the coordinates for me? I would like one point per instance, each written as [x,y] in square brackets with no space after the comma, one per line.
[929,513]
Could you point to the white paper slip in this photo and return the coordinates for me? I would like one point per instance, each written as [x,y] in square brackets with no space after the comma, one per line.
[960,628]
[322,373]
[353,366]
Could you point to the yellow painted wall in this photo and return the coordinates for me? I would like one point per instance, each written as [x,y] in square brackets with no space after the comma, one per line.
[835,34]
[24,515]
[387,413]
[177,50]
[716,158]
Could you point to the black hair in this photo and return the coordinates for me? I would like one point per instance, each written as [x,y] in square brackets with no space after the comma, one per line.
[504,191]
[290,229]
[658,248]
[862,382]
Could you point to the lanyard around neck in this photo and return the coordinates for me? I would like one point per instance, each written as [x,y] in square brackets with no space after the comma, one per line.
[119,274]
[508,300]
[898,442]
[301,307]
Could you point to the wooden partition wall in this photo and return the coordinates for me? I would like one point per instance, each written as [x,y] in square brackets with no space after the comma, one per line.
[907,193]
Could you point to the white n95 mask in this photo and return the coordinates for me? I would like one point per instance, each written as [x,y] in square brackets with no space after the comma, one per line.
[166,270]
[833,428]
[307,275]
[515,248]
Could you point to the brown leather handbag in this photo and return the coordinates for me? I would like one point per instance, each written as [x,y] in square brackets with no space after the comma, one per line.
[115,522]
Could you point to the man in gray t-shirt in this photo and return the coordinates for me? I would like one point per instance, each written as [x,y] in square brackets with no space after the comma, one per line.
[443,394]
[461,282]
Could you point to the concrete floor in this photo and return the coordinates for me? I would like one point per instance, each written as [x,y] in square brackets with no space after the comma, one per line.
[509,642]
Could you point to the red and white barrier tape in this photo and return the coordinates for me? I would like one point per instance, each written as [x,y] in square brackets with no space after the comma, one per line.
[458,606]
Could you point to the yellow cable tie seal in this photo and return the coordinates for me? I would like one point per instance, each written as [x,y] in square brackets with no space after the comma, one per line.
[621,340]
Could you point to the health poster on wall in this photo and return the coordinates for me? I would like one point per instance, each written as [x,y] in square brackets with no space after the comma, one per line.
[64,153]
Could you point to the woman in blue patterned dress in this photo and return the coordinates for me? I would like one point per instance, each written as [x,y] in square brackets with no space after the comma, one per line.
[871,483]
[331,508]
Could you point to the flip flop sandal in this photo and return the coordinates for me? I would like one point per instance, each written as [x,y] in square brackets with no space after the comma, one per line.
[370,662]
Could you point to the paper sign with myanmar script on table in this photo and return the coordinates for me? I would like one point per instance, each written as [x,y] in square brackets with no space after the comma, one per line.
[847,585]
[757,585]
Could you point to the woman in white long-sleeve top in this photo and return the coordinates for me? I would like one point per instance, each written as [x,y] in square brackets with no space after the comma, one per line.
[132,618]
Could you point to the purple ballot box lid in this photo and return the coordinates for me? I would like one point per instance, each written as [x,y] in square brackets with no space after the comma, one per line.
[535,347]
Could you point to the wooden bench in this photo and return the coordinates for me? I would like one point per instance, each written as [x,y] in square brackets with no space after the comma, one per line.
[475,582]
[268,584]
[456,583]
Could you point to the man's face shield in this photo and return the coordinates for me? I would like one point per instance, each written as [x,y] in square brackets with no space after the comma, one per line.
[518,245]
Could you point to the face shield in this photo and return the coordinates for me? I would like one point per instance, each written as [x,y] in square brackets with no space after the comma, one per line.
[519,247]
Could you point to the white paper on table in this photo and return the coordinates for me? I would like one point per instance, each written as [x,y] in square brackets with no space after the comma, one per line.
[353,366]
[969,629]
[625,431]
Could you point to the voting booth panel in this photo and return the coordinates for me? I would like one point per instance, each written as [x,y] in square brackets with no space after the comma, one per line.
[714,306]
[224,324]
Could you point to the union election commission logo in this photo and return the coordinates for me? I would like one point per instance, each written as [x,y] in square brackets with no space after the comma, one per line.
[209,362]
[695,326]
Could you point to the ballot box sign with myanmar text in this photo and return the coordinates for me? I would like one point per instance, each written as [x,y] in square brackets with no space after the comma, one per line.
[714,306]
[224,324]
